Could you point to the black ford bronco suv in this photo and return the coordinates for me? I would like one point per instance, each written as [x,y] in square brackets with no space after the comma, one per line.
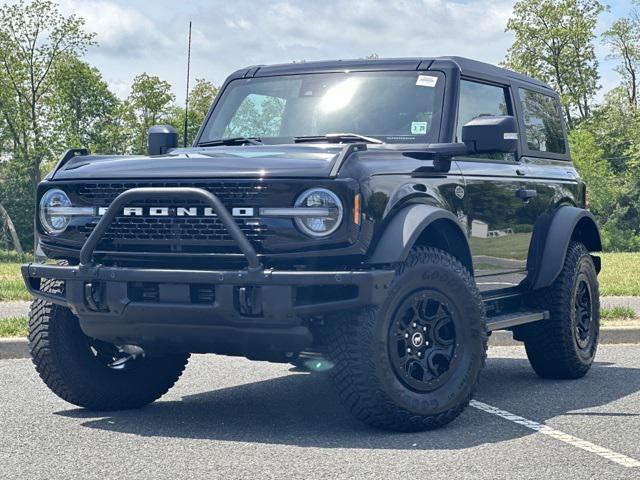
[379,218]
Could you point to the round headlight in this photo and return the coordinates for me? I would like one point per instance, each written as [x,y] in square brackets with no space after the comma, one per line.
[320,226]
[53,222]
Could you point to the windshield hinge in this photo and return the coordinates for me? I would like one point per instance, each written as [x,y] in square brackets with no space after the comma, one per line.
[68,155]
[344,155]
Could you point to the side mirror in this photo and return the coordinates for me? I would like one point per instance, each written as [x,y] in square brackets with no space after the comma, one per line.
[491,134]
[161,139]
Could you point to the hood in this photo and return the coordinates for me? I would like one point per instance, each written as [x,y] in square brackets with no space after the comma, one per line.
[259,161]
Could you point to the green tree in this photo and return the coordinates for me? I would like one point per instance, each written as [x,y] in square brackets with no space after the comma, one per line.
[588,157]
[611,124]
[554,41]
[606,151]
[152,101]
[201,98]
[18,202]
[623,38]
[4,136]
[8,233]
[82,106]
[119,133]
[34,38]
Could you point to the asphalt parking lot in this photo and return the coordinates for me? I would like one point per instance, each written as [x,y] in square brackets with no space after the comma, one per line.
[231,418]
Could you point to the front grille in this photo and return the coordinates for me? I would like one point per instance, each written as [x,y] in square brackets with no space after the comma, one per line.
[230,193]
[176,231]
[176,234]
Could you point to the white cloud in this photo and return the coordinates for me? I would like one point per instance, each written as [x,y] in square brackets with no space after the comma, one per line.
[288,30]
[240,23]
[119,86]
[120,30]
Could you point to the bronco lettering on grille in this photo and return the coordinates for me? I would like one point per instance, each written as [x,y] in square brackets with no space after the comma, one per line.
[178,212]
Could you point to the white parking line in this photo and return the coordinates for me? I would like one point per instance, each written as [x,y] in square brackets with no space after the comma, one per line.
[558,435]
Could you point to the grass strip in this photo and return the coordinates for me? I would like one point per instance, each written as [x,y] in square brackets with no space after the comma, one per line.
[13,327]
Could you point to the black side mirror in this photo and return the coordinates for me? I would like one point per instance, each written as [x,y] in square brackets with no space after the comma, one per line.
[161,139]
[491,134]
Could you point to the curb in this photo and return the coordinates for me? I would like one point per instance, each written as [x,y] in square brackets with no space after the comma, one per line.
[608,336]
[18,347]
[14,347]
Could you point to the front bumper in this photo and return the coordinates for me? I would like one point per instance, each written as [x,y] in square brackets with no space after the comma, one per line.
[246,312]
[252,312]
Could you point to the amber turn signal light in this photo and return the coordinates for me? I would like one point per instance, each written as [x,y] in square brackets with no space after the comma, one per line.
[356,209]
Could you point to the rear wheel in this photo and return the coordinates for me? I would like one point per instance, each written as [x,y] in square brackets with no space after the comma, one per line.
[414,362]
[565,346]
[90,373]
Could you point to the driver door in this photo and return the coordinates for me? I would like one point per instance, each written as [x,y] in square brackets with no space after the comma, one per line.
[497,219]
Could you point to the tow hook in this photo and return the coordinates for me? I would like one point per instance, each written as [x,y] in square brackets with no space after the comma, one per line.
[93,297]
[250,301]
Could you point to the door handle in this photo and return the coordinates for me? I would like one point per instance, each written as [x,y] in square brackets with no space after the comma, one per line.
[526,194]
[521,172]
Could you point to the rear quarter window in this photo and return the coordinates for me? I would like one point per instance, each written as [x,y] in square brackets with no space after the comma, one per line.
[543,122]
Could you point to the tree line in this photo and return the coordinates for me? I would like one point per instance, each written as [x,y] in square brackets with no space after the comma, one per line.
[555,41]
[51,100]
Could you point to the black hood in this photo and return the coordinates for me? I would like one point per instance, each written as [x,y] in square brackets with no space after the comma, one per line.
[312,161]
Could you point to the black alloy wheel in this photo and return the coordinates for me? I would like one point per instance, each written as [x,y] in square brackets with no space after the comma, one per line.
[422,340]
[583,314]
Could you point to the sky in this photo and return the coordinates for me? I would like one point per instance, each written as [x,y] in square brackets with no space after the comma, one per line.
[150,36]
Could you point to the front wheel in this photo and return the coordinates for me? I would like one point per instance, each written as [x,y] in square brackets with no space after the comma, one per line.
[413,363]
[90,373]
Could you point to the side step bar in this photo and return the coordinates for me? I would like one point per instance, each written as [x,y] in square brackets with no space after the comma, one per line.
[508,320]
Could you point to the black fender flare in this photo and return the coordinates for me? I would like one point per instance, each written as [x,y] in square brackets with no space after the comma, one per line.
[408,224]
[567,223]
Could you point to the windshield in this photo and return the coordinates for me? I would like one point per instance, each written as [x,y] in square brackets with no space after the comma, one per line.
[395,107]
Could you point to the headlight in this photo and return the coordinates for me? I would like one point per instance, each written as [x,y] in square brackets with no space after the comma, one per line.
[320,226]
[52,208]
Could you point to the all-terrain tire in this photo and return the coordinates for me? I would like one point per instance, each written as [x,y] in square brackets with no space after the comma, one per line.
[559,348]
[361,346]
[68,365]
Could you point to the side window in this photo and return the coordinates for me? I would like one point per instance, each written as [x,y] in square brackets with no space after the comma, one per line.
[256,116]
[480,99]
[543,122]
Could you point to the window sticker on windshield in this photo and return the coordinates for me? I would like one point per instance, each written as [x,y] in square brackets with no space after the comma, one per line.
[418,128]
[426,81]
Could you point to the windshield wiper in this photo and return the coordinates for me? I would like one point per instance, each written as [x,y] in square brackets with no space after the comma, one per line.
[337,138]
[232,141]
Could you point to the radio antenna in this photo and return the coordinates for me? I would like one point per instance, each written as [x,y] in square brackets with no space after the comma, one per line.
[186,99]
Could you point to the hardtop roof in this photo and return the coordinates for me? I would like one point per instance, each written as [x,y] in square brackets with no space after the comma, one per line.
[467,66]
